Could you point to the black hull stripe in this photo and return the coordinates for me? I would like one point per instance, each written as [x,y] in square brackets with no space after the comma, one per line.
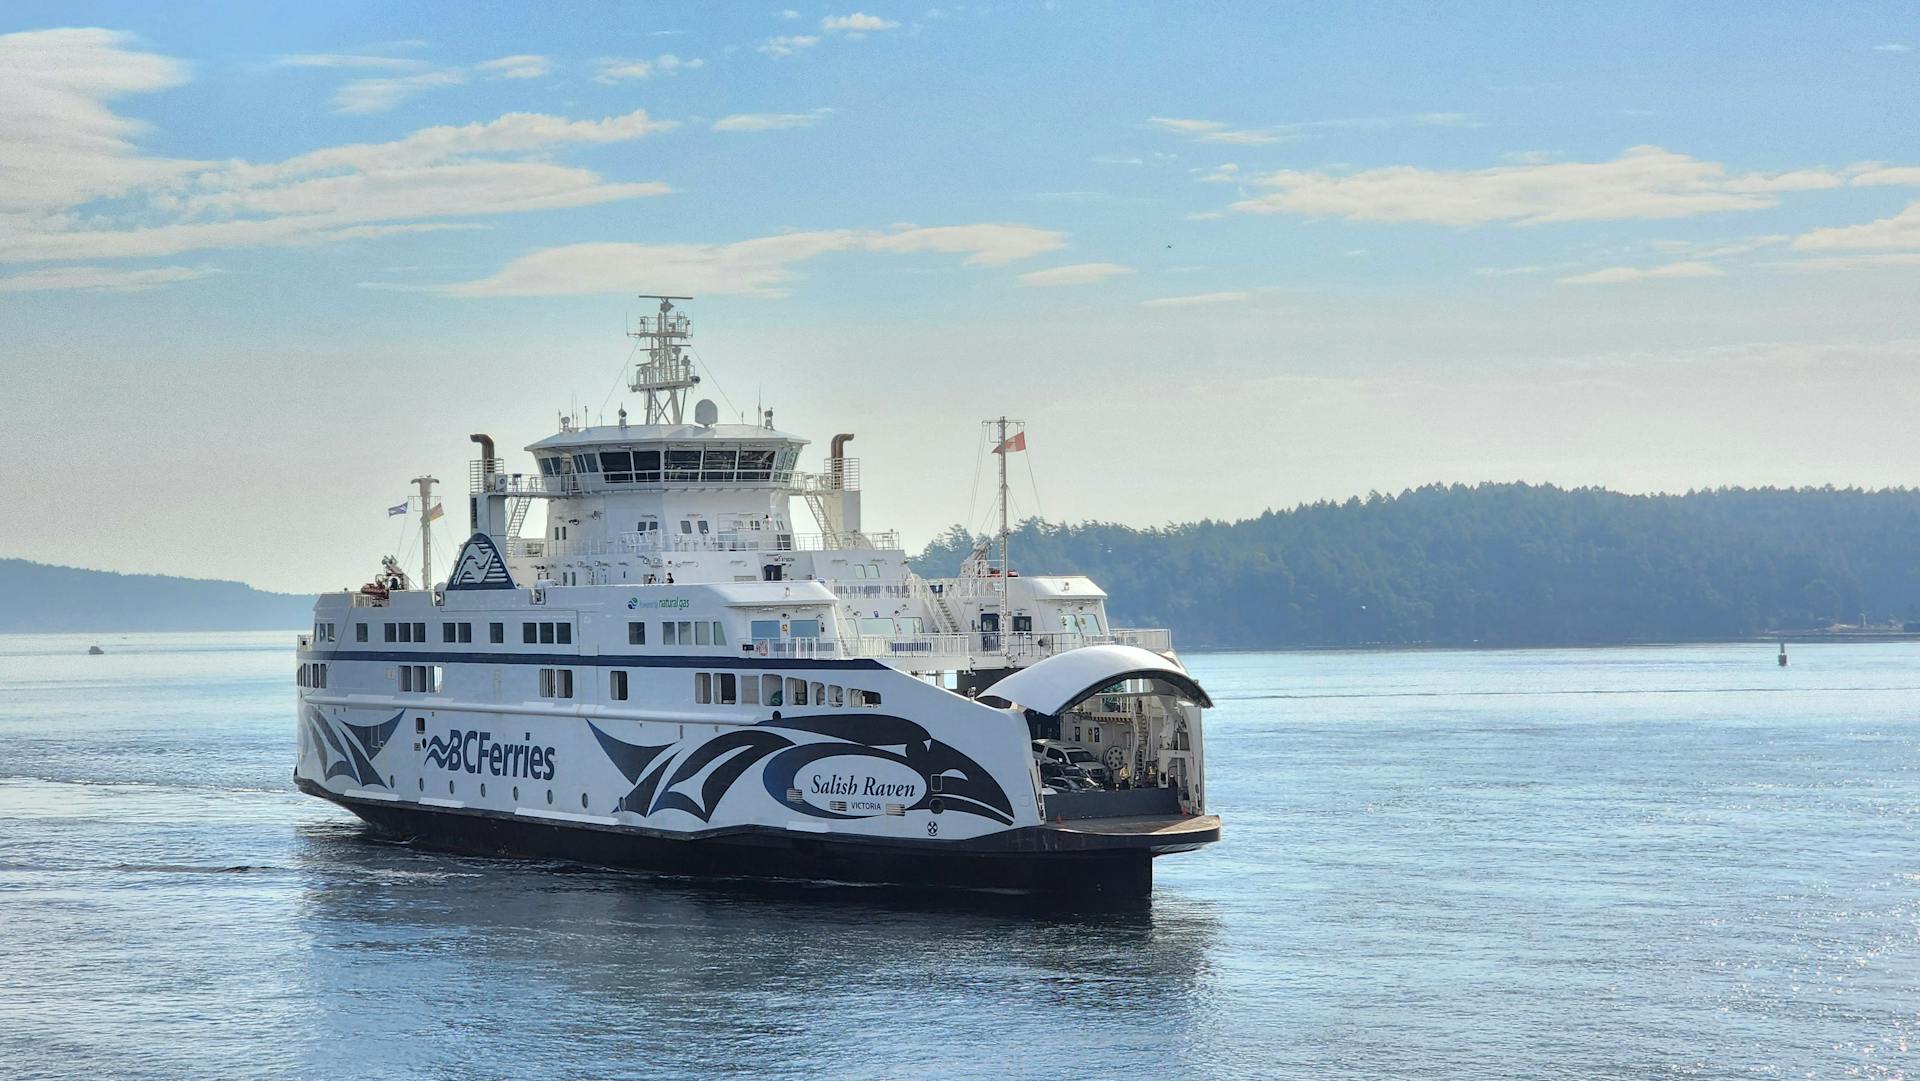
[1029,858]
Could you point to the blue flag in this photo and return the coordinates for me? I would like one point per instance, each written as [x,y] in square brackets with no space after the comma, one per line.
[398,508]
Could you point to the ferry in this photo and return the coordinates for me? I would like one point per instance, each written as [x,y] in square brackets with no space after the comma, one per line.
[673,677]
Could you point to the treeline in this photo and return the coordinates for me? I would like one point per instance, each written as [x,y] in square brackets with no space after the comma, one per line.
[1497,564]
[41,598]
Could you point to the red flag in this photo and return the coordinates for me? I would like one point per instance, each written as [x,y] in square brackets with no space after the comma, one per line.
[1018,442]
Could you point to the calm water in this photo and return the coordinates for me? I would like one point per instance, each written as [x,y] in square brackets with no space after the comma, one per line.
[1635,863]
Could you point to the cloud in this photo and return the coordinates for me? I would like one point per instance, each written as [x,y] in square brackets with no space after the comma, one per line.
[59,142]
[344,60]
[100,279]
[1899,231]
[1197,298]
[1892,47]
[789,14]
[1645,182]
[788,46]
[617,69]
[1211,131]
[378,95]
[523,66]
[1619,274]
[1214,131]
[344,192]
[1847,262]
[770,121]
[857,23]
[1075,274]
[761,267]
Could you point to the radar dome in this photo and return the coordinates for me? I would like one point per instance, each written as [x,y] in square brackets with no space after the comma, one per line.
[705,413]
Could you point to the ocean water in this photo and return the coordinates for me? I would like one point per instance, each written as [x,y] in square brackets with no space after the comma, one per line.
[1621,863]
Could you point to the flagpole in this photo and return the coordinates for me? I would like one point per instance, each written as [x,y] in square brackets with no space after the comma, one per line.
[426,530]
[1006,568]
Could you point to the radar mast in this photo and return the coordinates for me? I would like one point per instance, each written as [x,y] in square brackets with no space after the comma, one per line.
[664,374]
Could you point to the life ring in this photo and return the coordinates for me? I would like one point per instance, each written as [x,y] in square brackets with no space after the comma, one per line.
[760,648]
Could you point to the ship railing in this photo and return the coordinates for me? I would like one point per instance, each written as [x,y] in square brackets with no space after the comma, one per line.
[804,648]
[653,543]
[983,648]
[492,478]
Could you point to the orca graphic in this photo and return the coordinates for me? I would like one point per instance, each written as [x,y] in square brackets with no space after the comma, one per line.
[655,771]
[348,750]
[480,566]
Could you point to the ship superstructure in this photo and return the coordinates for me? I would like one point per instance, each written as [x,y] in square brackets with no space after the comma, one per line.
[679,673]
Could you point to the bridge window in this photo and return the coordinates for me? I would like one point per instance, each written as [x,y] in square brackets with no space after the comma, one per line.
[619,466]
[756,464]
[419,632]
[646,466]
[564,633]
[497,633]
[586,463]
[392,631]
[530,633]
[359,632]
[549,467]
[683,465]
[718,465]
[546,634]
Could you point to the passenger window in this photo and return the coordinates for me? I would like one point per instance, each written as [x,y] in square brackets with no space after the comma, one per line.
[797,692]
[718,638]
[565,632]
[819,694]
[546,634]
[636,634]
[750,690]
[805,628]
[833,695]
[728,694]
[617,685]
[359,632]
[702,633]
[447,632]
[530,633]
[686,633]
[770,690]
[702,688]
[497,633]
[765,628]
[419,632]
[667,637]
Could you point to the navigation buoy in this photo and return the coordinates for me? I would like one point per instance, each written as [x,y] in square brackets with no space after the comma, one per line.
[1783,654]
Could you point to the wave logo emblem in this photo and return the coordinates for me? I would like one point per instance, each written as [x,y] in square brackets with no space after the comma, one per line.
[480,566]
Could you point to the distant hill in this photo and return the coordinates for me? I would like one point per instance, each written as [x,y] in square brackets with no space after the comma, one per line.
[1498,564]
[39,598]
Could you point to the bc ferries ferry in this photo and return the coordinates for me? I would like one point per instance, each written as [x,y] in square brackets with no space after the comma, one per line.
[674,677]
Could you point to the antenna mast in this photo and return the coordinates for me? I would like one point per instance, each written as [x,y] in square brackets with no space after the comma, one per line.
[665,375]
[426,530]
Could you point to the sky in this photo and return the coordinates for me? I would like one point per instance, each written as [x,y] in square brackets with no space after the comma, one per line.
[260,266]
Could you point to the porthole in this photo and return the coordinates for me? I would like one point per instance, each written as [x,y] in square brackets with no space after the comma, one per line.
[583,801]
[549,797]
[936,805]
[516,793]
[423,784]
[483,790]
[449,788]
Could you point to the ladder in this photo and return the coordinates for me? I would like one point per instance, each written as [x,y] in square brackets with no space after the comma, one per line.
[517,515]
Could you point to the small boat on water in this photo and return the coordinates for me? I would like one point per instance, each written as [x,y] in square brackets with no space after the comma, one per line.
[95,651]
[671,676]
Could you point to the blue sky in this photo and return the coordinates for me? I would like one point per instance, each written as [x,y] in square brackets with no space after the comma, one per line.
[1220,257]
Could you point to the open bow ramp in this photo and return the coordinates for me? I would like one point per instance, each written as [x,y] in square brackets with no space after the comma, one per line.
[1057,683]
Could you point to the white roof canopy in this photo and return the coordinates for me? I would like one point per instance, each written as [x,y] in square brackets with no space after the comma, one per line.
[1061,681]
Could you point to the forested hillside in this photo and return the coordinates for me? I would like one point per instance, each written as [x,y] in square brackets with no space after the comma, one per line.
[39,598]
[1498,564]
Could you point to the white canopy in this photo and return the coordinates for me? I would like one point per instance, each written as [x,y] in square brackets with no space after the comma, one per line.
[1060,681]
